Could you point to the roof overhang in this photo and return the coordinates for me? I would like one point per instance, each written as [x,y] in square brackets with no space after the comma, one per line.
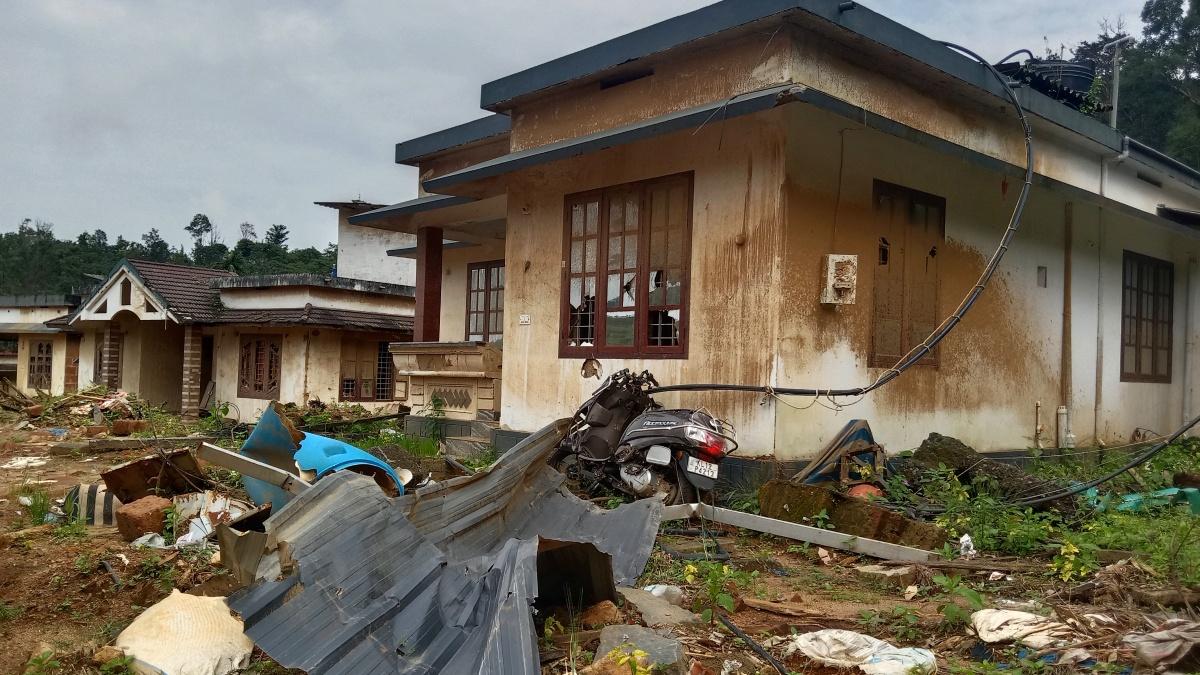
[125,266]
[463,219]
[412,151]
[418,205]
[715,111]
[411,251]
[28,328]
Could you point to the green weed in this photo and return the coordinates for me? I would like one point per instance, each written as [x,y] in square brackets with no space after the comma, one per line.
[43,664]
[9,612]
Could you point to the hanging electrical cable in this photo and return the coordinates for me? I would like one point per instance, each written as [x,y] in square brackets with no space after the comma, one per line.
[921,350]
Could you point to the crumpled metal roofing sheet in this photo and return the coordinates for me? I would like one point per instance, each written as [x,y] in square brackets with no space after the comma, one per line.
[437,581]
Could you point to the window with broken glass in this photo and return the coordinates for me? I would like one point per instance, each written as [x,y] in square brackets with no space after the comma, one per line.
[625,270]
[485,301]
[41,364]
[1147,307]
[259,366]
[368,373]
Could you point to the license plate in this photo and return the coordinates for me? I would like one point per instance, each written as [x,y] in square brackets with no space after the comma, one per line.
[702,467]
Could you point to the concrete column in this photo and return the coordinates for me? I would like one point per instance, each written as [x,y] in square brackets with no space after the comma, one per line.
[429,285]
[110,358]
[190,399]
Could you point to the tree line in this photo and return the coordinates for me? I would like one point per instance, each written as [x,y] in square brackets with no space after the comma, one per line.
[1160,77]
[33,260]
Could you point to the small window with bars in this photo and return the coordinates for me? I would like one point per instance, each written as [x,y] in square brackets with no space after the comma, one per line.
[41,364]
[368,373]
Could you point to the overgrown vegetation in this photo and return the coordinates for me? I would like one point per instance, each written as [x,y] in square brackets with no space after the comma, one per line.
[1164,536]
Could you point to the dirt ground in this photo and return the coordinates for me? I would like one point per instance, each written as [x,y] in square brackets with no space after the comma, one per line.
[56,594]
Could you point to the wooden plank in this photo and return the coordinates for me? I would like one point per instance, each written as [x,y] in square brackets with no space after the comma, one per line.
[815,535]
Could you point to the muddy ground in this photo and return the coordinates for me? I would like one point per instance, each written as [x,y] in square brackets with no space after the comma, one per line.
[56,594]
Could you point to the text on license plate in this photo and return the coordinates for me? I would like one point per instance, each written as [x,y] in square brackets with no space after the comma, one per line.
[702,467]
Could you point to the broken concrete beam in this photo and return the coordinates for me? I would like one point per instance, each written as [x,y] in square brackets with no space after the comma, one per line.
[784,500]
[656,612]
[142,516]
[899,577]
[663,654]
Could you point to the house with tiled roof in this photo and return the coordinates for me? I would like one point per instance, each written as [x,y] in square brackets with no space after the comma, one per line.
[38,352]
[187,336]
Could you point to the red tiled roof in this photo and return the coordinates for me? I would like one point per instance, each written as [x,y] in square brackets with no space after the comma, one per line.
[318,316]
[186,289]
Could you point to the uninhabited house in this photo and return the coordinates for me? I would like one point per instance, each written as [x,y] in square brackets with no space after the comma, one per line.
[794,194]
[38,353]
[189,337]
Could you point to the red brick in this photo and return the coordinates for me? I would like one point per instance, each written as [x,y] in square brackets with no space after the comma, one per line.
[144,515]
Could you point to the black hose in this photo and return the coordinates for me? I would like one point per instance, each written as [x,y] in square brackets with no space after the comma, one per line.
[758,649]
[1019,51]
[919,352]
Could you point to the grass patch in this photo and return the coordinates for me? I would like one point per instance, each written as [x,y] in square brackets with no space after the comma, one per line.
[9,612]
[39,502]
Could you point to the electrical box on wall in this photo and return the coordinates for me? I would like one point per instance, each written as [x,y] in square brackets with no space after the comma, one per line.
[841,279]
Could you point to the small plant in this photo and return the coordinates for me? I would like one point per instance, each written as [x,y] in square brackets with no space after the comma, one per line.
[901,622]
[9,612]
[84,563]
[550,628]
[953,614]
[715,580]
[821,520]
[39,502]
[74,528]
[631,657]
[613,502]
[121,665]
[482,459]
[435,416]
[1074,561]
[802,549]
[170,524]
[42,664]
[153,569]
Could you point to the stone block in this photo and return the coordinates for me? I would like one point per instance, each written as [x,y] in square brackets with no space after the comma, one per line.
[144,515]
[899,576]
[656,612]
[603,613]
[663,654]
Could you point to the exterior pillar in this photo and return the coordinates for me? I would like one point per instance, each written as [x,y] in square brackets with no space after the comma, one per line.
[429,285]
[110,358]
[189,405]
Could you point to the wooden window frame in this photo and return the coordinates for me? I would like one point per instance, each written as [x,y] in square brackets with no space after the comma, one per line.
[381,350]
[487,290]
[641,347]
[256,389]
[41,365]
[1163,303]
[931,360]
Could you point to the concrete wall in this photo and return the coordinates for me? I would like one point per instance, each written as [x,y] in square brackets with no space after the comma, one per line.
[771,181]
[31,314]
[362,254]
[58,370]
[311,368]
[292,297]
[160,375]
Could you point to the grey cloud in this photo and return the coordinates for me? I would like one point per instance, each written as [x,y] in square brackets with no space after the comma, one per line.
[131,115]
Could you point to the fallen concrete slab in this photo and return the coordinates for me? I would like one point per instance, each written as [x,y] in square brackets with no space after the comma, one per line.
[656,612]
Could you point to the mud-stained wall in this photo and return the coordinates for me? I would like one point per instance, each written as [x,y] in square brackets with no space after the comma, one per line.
[701,76]
[311,367]
[362,254]
[160,378]
[738,176]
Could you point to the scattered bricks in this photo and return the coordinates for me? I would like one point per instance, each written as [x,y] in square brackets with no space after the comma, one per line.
[34,410]
[144,515]
[899,577]
[126,427]
[603,613]
[95,430]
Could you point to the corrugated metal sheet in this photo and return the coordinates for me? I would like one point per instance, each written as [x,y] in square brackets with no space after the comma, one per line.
[437,581]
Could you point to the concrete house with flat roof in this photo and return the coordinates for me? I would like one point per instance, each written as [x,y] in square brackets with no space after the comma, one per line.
[794,193]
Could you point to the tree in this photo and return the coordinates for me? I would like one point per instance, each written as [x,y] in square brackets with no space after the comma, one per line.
[199,228]
[156,247]
[248,232]
[277,235]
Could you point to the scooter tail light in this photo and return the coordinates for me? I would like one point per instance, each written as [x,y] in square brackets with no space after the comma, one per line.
[709,445]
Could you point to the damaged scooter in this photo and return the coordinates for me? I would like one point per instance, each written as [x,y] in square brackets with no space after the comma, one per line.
[622,439]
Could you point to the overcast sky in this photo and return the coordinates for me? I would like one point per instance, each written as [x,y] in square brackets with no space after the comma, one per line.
[130,115]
